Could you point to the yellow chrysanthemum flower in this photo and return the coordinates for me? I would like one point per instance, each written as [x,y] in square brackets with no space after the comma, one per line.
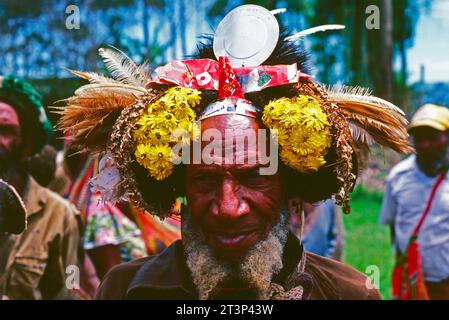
[153,135]
[303,131]
[157,159]
[314,117]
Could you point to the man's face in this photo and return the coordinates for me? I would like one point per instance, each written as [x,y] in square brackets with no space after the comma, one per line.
[431,148]
[232,205]
[10,136]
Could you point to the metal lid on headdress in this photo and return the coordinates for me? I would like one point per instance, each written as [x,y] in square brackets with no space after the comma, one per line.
[247,35]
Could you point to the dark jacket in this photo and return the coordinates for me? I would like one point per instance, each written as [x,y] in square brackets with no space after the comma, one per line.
[166,276]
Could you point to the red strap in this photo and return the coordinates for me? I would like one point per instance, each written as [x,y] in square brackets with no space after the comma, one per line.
[429,203]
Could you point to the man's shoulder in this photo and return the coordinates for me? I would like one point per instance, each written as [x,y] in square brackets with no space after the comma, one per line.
[337,281]
[55,203]
[163,270]
[403,167]
[114,285]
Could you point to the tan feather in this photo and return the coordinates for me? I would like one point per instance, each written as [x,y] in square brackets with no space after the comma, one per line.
[94,77]
[371,118]
[90,114]
[359,134]
[111,88]
[394,137]
[386,117]
[340,93]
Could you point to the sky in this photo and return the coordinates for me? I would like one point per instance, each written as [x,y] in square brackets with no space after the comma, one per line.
[431,47]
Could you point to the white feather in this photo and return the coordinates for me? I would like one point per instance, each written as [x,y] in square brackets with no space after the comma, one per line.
[93,77]
[122,68]
[278,11]
[313,30]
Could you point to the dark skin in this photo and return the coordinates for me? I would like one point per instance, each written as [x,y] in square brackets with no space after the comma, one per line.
[232,205]
[13,150]
[431,149]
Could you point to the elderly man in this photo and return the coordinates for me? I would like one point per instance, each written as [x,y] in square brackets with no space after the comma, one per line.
[32,264]
[207,128]
[236,242]
[408,193]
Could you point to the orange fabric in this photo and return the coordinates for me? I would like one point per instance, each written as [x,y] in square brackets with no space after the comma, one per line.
[157,234]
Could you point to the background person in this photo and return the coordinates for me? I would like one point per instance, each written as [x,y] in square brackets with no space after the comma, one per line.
[407,194]
[32,264]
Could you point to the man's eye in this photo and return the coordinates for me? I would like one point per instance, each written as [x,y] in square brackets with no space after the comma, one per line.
[203,177]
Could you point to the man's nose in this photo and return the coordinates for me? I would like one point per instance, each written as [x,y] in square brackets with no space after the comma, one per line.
[230,205]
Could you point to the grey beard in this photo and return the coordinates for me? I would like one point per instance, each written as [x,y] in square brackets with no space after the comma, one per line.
[257,268]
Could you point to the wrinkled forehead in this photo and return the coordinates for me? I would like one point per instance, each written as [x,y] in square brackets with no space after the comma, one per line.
[8,116]
[229,122]
[232,141]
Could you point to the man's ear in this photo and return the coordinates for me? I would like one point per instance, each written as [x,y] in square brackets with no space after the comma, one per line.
[12,209]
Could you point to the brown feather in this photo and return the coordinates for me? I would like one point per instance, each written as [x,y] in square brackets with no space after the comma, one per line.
[394,137]
[83,116]
[385,125]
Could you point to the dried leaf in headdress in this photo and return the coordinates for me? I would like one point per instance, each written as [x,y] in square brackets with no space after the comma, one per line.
[123,69]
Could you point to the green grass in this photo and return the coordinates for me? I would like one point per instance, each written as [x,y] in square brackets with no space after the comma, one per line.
[367,243]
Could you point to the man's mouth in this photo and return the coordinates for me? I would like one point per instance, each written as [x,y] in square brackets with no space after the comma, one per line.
[235,241]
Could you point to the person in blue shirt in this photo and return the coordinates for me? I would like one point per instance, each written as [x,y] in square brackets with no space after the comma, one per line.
[408,189]
[322,230]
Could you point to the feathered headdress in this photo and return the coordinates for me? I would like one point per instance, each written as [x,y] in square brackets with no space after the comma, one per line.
[133,116]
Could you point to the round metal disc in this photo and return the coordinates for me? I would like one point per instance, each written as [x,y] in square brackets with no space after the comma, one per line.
[247,35]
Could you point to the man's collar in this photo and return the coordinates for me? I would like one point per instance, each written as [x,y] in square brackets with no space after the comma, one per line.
[290,258]
[34,197]
[166,271]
